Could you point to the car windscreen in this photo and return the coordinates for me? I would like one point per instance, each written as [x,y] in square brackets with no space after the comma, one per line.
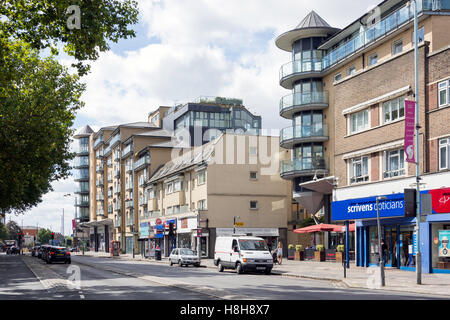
[187,252]
[253,245]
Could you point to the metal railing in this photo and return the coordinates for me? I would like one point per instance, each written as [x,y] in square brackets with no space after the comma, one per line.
[127,150]
[141,162]
[115,139]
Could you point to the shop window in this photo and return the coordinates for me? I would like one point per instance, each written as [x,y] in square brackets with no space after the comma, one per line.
[359,170]
[444,154]
[394,163]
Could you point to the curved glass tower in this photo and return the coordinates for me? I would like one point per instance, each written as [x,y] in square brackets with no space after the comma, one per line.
[306,103]
[82,173]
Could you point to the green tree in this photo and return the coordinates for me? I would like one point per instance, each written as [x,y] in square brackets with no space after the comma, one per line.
[38,97]
[47,23]
[38,101]
[44,236]
[3,232]
[13,230]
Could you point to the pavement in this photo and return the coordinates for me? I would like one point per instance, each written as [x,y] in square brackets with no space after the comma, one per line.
[356,277]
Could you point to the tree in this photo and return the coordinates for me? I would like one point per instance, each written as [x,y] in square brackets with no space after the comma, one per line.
[44,235]
[3,232]
[38,97]
[13,230]
[38,101]
[45,23]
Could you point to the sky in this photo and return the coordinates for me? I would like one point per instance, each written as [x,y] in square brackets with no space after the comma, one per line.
[185,49]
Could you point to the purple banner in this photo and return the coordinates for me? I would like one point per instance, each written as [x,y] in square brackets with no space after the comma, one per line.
[410,121]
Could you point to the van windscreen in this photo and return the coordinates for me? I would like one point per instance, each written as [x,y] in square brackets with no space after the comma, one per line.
[253,245]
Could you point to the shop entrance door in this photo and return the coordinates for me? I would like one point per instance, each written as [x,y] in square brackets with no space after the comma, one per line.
[390,238]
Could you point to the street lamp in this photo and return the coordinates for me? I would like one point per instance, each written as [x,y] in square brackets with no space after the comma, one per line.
[380,251]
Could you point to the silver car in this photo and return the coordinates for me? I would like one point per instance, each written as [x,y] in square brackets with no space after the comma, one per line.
[184,256]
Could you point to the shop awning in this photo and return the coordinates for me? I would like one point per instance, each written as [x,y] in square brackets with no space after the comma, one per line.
[318,228]
[324,185]
[351,228]
[98,223]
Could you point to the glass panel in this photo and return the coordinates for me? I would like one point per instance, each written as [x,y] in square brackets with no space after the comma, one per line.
[443,158]
[442,97]
[394,107]
[387,111]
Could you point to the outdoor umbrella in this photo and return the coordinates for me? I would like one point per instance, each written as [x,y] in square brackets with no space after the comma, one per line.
[317,228]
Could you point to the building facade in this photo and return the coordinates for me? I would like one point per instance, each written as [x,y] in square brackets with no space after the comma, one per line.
[368,68]
[199,195]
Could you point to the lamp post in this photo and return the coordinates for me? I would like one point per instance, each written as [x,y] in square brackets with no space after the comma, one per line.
[234,223]
[380,251]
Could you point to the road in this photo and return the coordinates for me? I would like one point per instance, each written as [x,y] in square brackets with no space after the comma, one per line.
[102,278]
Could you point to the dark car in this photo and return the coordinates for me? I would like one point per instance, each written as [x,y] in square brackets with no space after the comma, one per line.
[12,250]
[42,252]
[57,254]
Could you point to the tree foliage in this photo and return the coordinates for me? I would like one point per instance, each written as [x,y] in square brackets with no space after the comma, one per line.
[38,101]
[3,232]
[38,96]
[13,230]
[44,236]
[44,24]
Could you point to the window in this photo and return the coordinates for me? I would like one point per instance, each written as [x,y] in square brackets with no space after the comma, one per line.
[359,121]
[359,170]
[169,187]
[397,47]
[394,109]
[444,93]
[201,205]
[373,59]
[169,210]
[201,177]
[253,175]
[394,163]
[421,34]
[253,151]
[253,205]
[177,186]
[176,209]
[444,154]
[338,77]
[351,70]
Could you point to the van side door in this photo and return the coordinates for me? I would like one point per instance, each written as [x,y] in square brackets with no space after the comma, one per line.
[234,253]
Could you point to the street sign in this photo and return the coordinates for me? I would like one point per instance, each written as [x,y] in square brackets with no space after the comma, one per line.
[158,221]
[199,232]
[239,224]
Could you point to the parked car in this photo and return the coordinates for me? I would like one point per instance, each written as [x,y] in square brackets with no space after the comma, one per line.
[57,254]
[42,252]
[184,256]
[34,251]
[242,253]
[12,250]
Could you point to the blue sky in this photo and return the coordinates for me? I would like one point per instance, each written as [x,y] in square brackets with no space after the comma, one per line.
[185,49]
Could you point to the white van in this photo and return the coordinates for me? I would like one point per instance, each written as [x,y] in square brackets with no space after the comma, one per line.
[242,253]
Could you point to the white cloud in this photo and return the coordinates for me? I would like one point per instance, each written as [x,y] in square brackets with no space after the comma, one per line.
[207,47]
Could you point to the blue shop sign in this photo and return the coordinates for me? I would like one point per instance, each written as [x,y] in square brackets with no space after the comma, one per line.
[366,208]
[159,231]
[144,230]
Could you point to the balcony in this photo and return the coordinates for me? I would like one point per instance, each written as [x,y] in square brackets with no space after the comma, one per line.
[142,181]
[110,209]
[129,186]
[100,212]
[110,193]
[143,201]
[291,136]
[300,69]
[83,203]
[130,221]
[110,177]
[99,182]
[384,27]
[100,197]
[129,204]
[128,168]
[291,169]
[153,204]
[116,189]
[127,150]
[107,151]
[116,173]
[297,102]
[142,162]
[154,214]
[99,154]
[116,207]
[114,140]
[82,188]
[116,156]
[99,168]
[83,149]
[98,142]
[117,222]
[81,162]
[109,163]
[81,175]
[145,215]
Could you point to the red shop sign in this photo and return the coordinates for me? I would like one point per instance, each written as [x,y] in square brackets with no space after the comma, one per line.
[441,200]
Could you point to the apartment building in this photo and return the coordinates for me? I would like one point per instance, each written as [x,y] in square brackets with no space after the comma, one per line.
[203,192]
[368,70]
[123,157]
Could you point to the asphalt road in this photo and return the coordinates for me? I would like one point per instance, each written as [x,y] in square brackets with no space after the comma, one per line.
[107,279]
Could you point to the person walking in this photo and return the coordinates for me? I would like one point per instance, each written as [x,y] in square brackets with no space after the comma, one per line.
[280,253]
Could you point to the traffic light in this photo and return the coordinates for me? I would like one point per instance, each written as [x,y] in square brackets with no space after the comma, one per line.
[20,236]
[53,235]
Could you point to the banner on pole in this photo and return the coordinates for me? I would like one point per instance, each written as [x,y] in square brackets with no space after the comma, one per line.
[410,121]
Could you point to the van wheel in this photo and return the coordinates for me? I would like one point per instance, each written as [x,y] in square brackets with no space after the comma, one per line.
[171,263]
[239,269]
[220,266]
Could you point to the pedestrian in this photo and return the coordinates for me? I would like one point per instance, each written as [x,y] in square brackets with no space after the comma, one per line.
[383,251]
[280,253]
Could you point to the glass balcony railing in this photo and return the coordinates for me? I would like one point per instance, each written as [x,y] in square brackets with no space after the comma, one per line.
[83,148]
[116,173]
[100,197]
[129,204]
[117,222]
[98,141]
[107,150]
[114,140]
[100,212]
[99,182]
[110,209]
[82,188]
[141,162]
[109,162]
[116,189]
[128,168]
[99,168]
[99,153]
[116,207]
[143,201]
[127,151]
[300,66]
[130,220]
[129,185]
[304,133]
[300,166]
[141,181]
[116,156]
[383,27]
[291,101]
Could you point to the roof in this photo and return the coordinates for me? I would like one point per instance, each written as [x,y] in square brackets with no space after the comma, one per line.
[156,133]
[194,157]
[86,131]
[312,20]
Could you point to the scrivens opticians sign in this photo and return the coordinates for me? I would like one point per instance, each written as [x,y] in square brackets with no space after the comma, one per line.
[366,208]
